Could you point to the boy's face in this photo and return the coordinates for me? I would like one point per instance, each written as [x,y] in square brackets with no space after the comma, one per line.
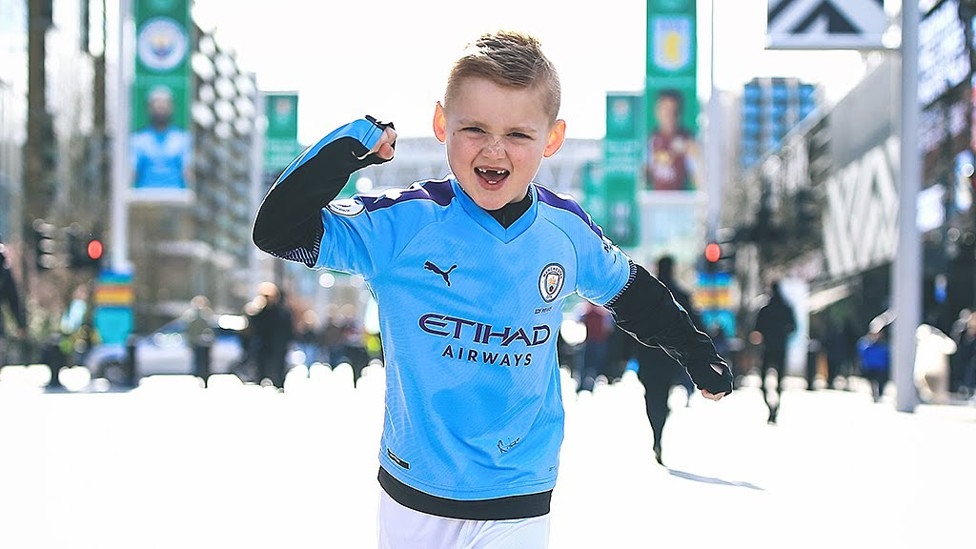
[496,139]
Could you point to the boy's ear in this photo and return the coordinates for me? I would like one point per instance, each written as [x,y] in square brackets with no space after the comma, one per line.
[440,123]
[556,137]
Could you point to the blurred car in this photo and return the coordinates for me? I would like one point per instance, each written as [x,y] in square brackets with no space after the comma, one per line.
[167,351]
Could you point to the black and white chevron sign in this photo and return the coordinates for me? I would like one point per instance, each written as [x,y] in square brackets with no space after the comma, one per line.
[825,24]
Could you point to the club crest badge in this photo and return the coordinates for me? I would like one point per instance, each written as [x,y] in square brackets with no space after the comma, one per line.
[551,281]
[162,44]
[347,207]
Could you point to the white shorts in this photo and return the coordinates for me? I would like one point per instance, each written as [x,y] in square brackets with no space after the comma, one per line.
[403,528]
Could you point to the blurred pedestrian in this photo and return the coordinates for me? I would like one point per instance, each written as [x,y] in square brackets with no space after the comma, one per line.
[658,371]
[620,353]
[840,344]
[9,299]
[775,323]
[353,342]
[932,351]
[965,356]
[963,332]
[723,344]
[200,325]
[874,355]
[74,335]
[333,341]
[273,332]
[598,324]
[309,337]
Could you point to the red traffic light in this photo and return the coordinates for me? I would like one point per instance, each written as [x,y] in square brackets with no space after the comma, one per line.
[713,252]
[95,249]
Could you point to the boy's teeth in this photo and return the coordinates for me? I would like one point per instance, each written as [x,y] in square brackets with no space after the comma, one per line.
[492,175]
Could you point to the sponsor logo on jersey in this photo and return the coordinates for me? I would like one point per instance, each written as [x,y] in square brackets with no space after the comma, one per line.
[478,332]
[348,207]
[551,281]
[468,335]
[446,275]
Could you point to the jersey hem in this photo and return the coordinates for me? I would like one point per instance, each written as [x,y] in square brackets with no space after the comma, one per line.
[509,490]
[503,508]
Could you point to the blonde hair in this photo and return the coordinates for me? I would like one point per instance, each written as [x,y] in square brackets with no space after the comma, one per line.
[510,59]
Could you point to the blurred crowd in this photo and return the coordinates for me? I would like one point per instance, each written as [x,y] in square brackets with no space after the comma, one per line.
[280,332]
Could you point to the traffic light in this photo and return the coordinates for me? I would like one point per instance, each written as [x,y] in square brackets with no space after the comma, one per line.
[719,255]
[95,250]
[85,251]
[711,256]
[44,245]
[713,252]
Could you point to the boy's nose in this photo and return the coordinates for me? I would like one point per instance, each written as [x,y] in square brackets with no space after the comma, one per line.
[495,146]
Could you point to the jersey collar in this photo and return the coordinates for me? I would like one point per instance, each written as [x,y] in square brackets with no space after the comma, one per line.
[488,223]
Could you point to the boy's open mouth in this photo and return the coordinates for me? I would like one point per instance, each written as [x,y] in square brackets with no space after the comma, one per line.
[491,176]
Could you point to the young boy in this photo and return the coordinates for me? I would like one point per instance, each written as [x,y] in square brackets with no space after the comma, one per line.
[470,274]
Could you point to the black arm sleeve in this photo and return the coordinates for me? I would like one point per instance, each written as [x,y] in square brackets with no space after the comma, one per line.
[288,223]
[646,310]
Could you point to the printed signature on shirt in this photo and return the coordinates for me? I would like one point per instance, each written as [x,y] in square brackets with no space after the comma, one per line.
[502,447]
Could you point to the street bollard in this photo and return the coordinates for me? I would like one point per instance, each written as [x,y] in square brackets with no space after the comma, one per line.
[53,356]
[201,361]
[813,355]
[130,361]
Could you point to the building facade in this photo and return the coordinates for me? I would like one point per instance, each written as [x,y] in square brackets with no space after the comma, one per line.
[828,201]
[771,107]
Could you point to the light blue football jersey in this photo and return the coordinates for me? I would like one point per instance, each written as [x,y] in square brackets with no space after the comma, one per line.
[469,316]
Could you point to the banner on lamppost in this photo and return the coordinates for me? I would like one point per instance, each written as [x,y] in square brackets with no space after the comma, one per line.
[281,137]
[594,191]
[622,158]
[673,157]
[161,146]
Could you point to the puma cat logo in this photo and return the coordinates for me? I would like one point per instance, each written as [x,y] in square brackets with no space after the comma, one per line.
[446,275]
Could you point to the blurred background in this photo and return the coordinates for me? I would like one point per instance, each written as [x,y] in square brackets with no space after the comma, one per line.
[752,141]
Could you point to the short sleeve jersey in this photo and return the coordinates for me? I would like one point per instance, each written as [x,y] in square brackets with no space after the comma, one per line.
[469,317]
[159,157]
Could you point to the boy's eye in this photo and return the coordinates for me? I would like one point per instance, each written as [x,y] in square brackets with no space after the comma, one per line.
[472,129]
[519,135]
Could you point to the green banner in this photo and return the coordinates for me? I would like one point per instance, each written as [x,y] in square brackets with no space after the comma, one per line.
[622,155]
[281,137]
[161,94]
[594,192]
[671,97]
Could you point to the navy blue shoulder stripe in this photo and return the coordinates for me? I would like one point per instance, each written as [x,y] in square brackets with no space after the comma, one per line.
[364,131]
[437,190]
[548,197]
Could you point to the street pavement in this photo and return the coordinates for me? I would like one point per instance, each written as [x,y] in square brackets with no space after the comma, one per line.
[172,464]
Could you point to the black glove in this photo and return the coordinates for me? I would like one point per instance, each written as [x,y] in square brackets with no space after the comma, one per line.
[705,377]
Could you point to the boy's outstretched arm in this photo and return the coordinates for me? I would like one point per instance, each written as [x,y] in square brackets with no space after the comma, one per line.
[647,311]
[288,222]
